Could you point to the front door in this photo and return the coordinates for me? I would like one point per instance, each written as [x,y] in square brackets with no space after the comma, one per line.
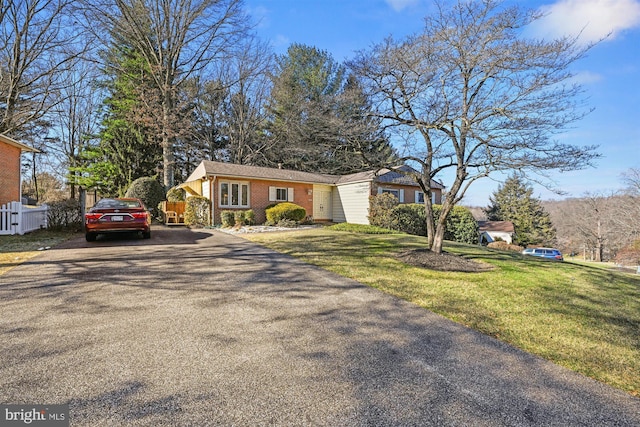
[322,203]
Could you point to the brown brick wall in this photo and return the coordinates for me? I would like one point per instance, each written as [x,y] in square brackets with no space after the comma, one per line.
[259,197]
[9,173]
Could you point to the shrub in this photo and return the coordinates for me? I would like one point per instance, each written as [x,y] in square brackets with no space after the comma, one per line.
[197,211]
[410,218]
[380,211]
[150,191]
[238,217]
[286,210]
[64,214]
[227,218]
[461,226]
[176,194]
[385,212]
[249,217]
[504,246]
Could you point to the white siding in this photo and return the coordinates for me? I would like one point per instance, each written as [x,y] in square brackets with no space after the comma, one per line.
[206,189]
[351,203]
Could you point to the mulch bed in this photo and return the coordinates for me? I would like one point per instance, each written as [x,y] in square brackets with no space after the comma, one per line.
[441,262]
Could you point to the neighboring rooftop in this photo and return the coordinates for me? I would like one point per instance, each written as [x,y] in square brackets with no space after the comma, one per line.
[498,226]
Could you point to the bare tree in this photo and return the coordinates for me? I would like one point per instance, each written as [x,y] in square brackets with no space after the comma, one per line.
[74,121]
[631,178]
[246,97]
[177,39]
[471,95]
[37,43]
[597,225]
[227,114]
[628,216]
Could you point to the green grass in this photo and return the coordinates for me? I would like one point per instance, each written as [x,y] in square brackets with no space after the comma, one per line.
[582,317]
[14,250]
[360,228]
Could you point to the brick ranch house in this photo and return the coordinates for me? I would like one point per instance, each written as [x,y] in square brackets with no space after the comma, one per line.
[10,179]
[336,198]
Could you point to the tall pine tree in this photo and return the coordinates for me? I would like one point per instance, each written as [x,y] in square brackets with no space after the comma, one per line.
[318,118]
[513,201]
[128,146]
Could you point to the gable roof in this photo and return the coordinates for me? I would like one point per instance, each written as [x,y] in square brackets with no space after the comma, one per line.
[232,170]
[23,147]
[496,226]
[208,167]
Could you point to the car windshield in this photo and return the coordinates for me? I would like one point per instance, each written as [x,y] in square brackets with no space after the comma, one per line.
[117,204]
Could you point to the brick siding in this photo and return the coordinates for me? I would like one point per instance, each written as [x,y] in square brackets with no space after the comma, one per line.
[9,173]
[259,197]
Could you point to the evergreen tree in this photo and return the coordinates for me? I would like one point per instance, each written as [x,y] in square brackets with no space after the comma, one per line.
[513,201]
[128,146]
[318,117]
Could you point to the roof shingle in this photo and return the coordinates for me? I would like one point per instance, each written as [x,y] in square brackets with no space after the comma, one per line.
[258,172]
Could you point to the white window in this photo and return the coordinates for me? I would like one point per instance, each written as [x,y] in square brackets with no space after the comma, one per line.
[420,197]
[280,194]
[399,193]
[234,194]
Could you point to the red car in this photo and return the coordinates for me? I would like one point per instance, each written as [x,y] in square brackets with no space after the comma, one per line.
[117,216]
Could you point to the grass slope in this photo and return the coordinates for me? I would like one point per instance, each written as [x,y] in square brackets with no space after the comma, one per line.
[584,318]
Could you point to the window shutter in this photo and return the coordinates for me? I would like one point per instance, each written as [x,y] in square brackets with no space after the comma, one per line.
[416,197]
[272,194]
[433,197]
[379,190]
[401,195]
[290,194]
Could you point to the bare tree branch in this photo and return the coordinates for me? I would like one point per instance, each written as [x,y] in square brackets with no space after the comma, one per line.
[482,98]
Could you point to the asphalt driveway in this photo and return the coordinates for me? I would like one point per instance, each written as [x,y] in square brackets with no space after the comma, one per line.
[196,328]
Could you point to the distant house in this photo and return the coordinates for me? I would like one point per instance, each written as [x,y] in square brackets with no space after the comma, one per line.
[337,198]
[10,179]
[490,231]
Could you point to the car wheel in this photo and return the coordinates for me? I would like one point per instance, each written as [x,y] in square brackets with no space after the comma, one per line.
[91,237]
[146,235]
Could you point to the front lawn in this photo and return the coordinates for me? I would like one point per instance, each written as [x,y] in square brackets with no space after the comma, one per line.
[15,250]
[584,318]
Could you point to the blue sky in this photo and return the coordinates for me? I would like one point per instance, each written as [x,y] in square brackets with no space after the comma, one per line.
[610,74]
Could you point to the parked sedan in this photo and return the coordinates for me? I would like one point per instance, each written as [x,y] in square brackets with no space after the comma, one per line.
[549,253]
[117,216]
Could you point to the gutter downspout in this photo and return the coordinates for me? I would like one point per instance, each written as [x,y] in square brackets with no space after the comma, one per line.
[212,198]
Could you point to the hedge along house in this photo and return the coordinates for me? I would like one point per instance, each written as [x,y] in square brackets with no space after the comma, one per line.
[331,198]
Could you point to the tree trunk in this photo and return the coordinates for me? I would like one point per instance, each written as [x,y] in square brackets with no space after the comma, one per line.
[431,229]
[599,243]
[167,144]
[436,246]
[167,161]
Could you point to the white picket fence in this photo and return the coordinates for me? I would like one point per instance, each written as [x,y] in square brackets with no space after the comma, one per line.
[16,218]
